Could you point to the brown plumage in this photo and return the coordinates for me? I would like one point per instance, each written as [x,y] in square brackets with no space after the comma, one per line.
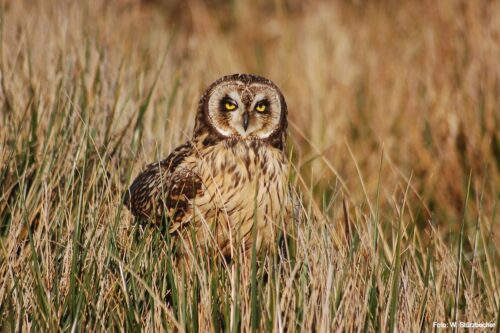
[234,166]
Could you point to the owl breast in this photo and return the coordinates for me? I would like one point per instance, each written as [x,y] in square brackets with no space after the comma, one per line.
[243,182]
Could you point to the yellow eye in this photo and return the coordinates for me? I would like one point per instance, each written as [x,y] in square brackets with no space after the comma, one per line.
[260,107]
[230,106]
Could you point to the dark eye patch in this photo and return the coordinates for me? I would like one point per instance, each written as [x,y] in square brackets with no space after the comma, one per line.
[227,104]
[262,103]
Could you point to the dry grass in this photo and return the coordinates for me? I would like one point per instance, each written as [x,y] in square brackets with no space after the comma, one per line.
[394,116]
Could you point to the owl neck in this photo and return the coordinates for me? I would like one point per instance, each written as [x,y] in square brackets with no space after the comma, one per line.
[206,139]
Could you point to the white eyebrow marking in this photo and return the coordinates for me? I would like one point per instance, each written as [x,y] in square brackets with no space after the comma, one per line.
[258,98]
[235,97]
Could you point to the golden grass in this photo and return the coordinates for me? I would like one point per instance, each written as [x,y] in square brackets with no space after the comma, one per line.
[394,138]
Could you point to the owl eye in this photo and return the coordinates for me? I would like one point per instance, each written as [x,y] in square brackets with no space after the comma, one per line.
[261,107]
[229,106]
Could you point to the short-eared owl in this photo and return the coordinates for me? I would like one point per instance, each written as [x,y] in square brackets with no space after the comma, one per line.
[234,167]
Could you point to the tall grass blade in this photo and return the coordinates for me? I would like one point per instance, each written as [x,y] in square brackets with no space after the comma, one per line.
[396,269]
[460,254]
[253,287]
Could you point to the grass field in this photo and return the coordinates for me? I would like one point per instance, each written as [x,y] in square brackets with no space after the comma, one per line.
[394,139]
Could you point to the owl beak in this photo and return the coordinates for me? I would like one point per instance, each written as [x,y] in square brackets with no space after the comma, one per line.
[245,121]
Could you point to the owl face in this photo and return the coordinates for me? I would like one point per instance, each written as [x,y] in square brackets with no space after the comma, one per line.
[242,106]
[245,110]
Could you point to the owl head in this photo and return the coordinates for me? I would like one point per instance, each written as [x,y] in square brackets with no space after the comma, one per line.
[242,107]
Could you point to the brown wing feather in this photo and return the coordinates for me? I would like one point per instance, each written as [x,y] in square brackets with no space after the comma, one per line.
[164,188]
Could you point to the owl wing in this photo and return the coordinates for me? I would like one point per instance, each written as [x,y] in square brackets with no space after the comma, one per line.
[165,189]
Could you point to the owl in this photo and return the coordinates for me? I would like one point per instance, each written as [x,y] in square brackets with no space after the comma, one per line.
[231,174]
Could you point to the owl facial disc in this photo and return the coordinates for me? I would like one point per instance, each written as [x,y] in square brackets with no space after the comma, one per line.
[245,106]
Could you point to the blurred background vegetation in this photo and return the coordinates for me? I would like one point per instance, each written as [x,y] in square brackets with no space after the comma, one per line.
[382,96]
[417,80]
